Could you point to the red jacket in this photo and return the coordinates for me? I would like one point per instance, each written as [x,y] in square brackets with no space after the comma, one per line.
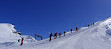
[22,40]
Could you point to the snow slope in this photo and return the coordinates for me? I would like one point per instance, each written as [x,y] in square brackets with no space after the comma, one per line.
[97,36]
[9,34]
[6,33]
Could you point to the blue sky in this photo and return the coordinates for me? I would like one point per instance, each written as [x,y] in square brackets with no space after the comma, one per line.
[42,16]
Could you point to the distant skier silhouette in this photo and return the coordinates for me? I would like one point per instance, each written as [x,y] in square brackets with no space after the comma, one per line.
[59,35]
[35,36]
[76,29]
[55,35]
[18,40]
[50,37]
[64,33]
[88,25]
[93,23]
[71,30]
[22,42]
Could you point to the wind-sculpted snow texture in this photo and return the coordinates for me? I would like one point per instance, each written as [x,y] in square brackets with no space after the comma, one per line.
[6,33]
[97,36]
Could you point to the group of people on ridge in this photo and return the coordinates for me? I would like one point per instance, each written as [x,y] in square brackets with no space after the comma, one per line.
[50,37]
[55,34]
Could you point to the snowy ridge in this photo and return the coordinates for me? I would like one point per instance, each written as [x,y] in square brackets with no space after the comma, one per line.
[7,34]
[97,36]
[28,38]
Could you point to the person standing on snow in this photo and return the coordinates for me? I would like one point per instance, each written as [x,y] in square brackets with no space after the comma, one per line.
[35,36]
[55,35]
[71,30]
[93,23]
[22,41]
[50,37]
[18,40]
[59,35]
[64,33]
[88,25]
[76,29]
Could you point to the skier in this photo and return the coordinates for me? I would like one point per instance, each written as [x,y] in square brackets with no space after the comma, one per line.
[55,35]
[22,41]
[59,35]
[71,30]
[76,29]
[18,40]
[50,37]
[88,25]
[41,37]
[93,23]
[35,36]
[64,33]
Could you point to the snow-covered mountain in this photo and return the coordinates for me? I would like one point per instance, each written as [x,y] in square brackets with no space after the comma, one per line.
[8,33]
[97,36]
